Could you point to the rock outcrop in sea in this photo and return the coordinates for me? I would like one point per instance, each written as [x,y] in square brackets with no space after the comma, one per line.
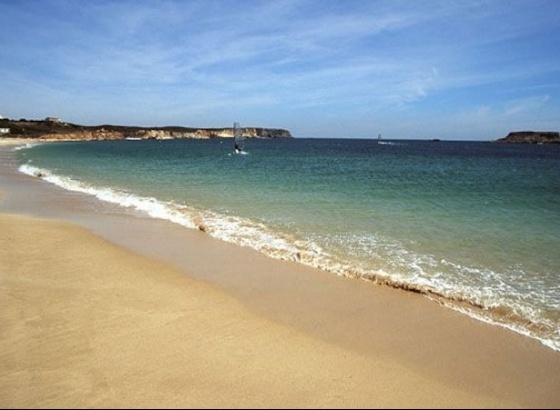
[531,137]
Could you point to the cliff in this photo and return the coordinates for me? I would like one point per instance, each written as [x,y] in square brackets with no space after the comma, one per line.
[57,130]
[531,137]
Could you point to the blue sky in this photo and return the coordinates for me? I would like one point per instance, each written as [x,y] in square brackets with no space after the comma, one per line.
[327,68]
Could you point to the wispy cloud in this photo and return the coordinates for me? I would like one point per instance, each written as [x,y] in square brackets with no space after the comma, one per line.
[525,105]
[280,61]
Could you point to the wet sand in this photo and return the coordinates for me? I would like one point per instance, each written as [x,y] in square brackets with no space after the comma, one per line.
[101,308]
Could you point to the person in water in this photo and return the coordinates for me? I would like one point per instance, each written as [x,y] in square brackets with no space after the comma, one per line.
[236,148]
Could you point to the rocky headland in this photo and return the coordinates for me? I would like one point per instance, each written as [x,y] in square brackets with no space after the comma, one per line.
[54,129]
[531,137]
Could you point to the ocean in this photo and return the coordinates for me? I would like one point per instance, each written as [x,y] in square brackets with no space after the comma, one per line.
[473,225]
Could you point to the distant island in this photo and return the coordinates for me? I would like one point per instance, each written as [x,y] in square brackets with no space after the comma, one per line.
[55,129]
[531,137]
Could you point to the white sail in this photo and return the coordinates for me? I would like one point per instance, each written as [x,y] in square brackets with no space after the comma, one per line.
[238,138]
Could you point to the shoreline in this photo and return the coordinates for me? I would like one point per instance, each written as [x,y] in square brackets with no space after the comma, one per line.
[474,364]
[469,300]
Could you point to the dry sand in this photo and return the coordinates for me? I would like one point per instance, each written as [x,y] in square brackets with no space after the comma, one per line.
[87,323]
[16,141]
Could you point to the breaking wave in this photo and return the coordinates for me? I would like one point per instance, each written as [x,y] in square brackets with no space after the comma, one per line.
[401,269]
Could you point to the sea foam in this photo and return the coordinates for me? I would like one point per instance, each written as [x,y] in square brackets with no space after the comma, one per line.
[401,269]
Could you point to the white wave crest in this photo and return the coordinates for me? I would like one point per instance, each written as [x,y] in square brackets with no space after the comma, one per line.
[403,269]
[227,228]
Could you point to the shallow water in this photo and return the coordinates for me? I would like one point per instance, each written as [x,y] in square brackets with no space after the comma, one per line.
[476,225]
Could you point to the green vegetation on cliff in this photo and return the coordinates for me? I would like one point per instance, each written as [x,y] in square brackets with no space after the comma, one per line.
[55,129]
[531,137]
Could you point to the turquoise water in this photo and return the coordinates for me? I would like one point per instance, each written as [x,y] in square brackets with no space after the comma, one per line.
[475,225]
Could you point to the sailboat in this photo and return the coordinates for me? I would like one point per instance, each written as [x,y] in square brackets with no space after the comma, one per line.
[238,139]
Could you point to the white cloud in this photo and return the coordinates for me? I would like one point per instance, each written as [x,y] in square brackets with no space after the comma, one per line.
[525,105]
[287,59]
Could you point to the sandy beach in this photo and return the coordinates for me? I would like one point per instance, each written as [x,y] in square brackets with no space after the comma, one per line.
[109,310]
